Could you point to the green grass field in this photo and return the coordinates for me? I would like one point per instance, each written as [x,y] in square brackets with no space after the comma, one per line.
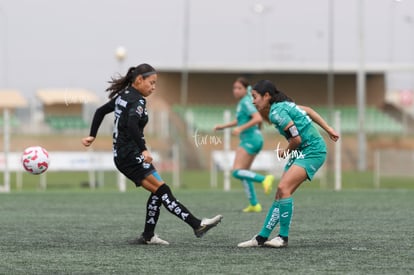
[80,231]
[199,179]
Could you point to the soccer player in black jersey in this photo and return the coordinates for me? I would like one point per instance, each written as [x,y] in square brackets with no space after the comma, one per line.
[127,100]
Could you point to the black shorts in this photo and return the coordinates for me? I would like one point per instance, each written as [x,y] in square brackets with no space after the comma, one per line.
[134,167]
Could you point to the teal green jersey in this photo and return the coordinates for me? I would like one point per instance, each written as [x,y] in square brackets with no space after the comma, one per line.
[282,113]
[245,110]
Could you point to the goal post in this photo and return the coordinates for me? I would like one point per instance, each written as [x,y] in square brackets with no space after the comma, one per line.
[338,152]
[395,163]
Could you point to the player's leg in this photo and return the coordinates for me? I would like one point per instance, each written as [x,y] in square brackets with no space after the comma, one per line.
[245,154]
[242,162]
[290,181]
[146,176]
[298,172]
[163,191]
[280,211]
[151,219]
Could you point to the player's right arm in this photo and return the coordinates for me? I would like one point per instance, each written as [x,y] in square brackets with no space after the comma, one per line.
[224,126]
[98,117]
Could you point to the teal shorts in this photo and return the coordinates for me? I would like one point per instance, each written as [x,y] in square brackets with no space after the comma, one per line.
[252,144]
[310,160]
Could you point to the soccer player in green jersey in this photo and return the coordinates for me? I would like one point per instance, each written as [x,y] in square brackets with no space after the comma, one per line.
[246,126]
[306,150]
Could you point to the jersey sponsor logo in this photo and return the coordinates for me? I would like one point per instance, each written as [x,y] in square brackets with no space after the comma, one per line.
[140,159]
[142,101]
[140,110]
[121,102]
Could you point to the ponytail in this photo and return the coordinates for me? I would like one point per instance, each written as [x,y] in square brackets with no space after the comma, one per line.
[280,97]
[117,85]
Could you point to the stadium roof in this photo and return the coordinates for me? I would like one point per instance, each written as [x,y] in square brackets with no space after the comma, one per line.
[66,96]
[12,99]
[292,67]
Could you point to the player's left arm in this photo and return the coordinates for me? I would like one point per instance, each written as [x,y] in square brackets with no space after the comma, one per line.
[293,137]
[333,135]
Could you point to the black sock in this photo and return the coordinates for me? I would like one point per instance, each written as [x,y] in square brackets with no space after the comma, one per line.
[175,207]
[153,212]
[261,240]
[284,238]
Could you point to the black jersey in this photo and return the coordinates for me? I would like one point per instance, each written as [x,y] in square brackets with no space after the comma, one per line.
[130,119]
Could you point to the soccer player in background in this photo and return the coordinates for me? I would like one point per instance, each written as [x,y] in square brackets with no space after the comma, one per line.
[246,126]
[306,151]
[127,100]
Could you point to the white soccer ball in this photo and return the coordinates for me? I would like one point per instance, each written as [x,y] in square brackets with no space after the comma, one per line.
[35,160]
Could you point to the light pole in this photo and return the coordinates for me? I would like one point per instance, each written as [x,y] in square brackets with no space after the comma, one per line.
[185,48]
[361,90]
[260,9]
[4,46]
[120,55]
[331,76]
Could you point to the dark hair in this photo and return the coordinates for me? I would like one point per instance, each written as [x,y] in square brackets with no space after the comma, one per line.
[243,81]
[119,84]
[264,86]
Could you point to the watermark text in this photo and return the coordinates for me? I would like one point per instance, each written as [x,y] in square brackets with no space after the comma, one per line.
[283,154]
[200,140]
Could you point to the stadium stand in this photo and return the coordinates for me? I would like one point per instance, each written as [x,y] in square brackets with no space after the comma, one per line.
[11,100]
[63,108]
[205,117]
[14,121]
[66,122]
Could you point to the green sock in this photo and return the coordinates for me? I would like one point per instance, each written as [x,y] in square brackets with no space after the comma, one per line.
[286,212]
[248,175]
[250,192]
[271,220]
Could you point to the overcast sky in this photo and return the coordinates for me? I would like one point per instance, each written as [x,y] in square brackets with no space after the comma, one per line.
[71,43]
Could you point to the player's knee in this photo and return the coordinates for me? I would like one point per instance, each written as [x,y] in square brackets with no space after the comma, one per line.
[235,173]
[282,192]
